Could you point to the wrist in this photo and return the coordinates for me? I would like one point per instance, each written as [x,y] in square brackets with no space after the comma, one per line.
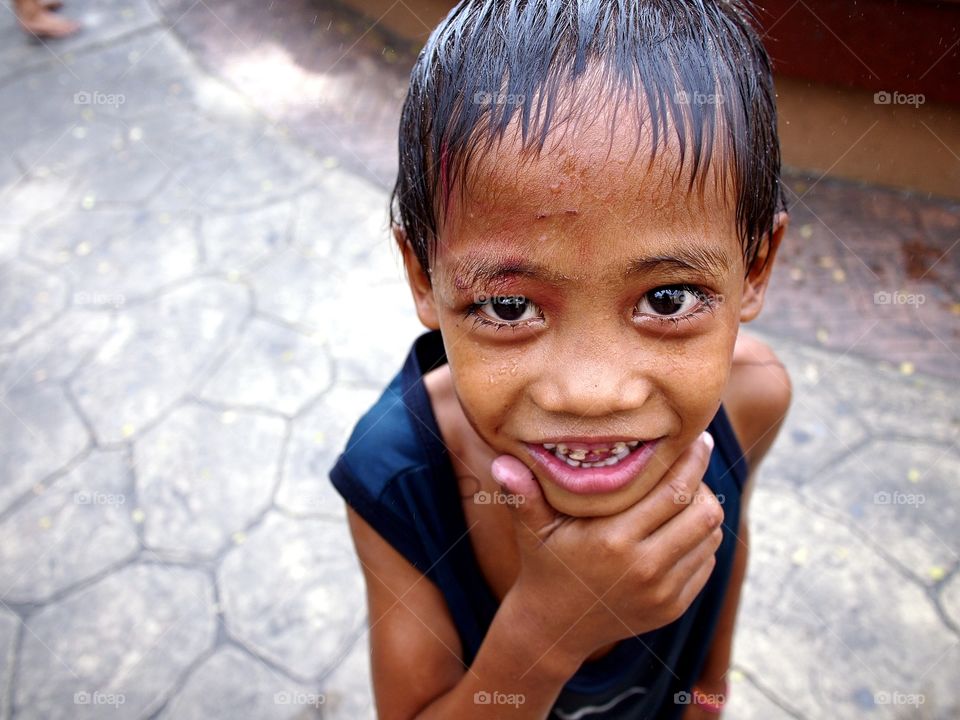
[538,638]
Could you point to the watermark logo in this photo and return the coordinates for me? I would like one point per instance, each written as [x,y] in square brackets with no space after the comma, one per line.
[95,97]
[698,98]
[484,298]
[898,298]
[482,697]
[700,698]
[98,698]
[87,497]
[685,499]
[885,97]
[486,98]
[483,497]
[899,698]
[115,300]
[300,699]
[899,498]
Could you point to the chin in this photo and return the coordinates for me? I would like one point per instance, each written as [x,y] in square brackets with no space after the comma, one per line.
[589,505]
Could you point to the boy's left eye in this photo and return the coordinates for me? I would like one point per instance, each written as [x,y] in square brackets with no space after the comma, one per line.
[670,301]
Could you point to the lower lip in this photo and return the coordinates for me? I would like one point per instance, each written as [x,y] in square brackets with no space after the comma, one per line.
[594,480]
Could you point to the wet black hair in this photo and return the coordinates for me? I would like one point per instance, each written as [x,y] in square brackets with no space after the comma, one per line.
[696,66]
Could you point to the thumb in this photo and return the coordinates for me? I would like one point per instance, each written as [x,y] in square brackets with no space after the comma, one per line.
[516,480]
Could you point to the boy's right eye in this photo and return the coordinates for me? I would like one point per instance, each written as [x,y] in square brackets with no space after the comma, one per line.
[505,310]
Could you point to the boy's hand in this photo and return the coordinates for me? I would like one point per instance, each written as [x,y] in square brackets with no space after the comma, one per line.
[589,582]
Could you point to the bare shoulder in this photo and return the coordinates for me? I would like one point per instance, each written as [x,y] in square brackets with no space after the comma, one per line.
[414,645]
[757,396]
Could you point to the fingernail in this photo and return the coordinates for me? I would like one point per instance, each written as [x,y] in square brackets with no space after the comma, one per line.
[500,472]
[708,439]
[495,472]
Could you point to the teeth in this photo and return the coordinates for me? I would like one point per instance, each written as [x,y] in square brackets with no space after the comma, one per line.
[576,458]
[602,463]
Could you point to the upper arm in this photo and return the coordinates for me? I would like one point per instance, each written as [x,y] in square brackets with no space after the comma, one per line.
[415,650]
[757,398]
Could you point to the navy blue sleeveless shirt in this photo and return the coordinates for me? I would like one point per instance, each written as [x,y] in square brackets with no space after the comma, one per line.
[397,475]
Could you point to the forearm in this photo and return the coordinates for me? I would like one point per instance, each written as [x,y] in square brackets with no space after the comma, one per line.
[517,673]
[721,649]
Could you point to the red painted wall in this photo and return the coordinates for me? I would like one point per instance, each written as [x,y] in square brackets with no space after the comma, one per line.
[907,46]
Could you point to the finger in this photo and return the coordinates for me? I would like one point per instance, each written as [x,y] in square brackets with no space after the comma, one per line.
[696,581]
[687,566]
[684,532]
[672,494]
[693,571]
[528,504]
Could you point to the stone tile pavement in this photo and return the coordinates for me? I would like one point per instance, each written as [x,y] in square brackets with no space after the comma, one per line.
[198,298]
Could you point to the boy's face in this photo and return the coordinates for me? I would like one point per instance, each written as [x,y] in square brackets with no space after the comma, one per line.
[617,299]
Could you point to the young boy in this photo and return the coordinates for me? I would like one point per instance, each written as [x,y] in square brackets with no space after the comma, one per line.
[549,500]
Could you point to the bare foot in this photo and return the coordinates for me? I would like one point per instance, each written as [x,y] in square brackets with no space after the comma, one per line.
[45,24]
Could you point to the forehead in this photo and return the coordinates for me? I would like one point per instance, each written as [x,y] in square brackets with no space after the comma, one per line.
[596,173]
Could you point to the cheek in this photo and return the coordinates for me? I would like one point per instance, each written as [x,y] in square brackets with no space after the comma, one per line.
[488,388]
[696,381]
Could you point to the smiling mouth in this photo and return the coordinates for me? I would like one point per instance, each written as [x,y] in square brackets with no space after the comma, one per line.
[590,455]
[601,466]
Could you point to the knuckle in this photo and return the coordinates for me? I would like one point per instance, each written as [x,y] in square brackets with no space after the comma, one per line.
[712,509]
[721,515]
[707,519]
[613,543]
[662,598]
[645,571]
[717,515]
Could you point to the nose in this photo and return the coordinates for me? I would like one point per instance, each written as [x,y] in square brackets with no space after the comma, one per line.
[592,378]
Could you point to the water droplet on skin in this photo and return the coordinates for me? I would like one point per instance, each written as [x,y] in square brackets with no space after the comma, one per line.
[555,187]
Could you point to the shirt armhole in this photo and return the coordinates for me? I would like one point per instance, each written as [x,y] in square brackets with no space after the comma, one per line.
[401,535]
[729,446]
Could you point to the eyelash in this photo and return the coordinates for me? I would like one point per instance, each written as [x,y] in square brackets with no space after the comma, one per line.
[707,304]
[480,320]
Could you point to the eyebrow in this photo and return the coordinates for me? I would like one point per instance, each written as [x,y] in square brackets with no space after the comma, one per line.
[474,271]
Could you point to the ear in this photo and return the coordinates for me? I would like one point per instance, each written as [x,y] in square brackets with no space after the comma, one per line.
[419,281]
[758,277]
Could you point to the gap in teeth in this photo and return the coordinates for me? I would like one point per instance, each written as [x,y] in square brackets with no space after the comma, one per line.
[577,458]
